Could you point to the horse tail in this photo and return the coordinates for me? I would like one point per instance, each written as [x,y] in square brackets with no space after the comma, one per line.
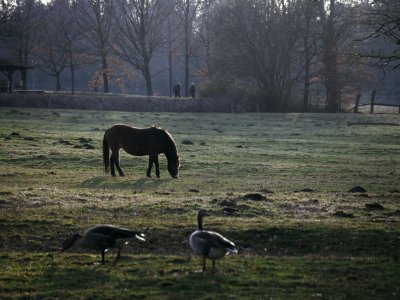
[106,154]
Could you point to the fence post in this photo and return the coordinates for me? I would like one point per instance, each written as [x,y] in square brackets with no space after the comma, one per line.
[357,103]
[371,111]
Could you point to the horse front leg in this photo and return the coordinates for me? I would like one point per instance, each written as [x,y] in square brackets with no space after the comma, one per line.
[148,174]
[157,166]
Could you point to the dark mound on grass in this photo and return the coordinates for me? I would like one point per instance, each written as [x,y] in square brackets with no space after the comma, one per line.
[357,189]
[342,214]
[254,197]
[374,206]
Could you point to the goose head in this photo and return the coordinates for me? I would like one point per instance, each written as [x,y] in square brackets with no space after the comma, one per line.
[70,241]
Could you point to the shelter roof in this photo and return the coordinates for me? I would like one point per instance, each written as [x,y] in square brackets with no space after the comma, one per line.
[8,66]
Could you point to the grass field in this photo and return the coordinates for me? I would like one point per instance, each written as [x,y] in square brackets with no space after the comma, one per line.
[276,184]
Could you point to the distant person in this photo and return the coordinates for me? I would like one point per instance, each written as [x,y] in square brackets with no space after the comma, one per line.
[177,90]
[192,90]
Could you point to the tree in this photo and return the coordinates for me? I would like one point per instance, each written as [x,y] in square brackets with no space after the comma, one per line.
[139,24]
[95,18]
[70,35]
[383,22]
[255,42]
[336,23]
[187,11]
[310,37]
[19,30]
[171,44]
[51,52]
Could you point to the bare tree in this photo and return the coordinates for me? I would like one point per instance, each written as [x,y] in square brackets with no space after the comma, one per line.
[172,45]
[255,41]
[94,18]
[336,23]
[51,52]
[187,11]
[310,37]
[71,35]
[383,22]
[19,22]
[203,43]
[139,24]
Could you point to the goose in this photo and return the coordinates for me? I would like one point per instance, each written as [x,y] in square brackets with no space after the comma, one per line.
[102,238]
[209,244]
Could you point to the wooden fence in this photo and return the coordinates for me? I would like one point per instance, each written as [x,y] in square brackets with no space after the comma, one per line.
[383,98]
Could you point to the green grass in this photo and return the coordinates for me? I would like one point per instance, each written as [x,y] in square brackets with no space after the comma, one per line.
[293,243]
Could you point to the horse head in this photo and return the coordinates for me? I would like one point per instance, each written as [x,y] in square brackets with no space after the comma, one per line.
[173,167]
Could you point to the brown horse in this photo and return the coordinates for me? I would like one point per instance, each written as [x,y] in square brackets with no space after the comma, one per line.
[136,141]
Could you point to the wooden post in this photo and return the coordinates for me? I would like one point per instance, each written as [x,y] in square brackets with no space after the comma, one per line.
[357,103]
[371,111]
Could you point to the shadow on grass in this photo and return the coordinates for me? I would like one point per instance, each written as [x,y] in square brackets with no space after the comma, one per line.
[319,241]
[39,236]
[124,183]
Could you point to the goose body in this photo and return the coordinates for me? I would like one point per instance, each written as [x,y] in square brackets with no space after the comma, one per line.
[102,238]
[209,244]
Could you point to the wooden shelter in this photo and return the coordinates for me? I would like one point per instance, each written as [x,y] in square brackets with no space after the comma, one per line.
[8,70]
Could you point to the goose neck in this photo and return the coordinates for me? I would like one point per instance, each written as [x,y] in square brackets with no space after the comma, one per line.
[200,222]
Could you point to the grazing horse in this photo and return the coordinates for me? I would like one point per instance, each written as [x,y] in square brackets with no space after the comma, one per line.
[136,141]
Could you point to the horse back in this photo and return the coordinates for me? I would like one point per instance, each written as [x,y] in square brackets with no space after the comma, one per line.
[136,141]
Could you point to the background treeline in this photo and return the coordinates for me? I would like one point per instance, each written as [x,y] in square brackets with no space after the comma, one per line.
[278,54]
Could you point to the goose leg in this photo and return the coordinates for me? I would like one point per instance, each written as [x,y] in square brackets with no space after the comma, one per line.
[213,264]
[103,252]
[204,264]
[118,254]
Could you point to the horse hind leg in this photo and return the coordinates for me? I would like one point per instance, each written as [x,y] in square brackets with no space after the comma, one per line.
[115,161]
[153,159]
[112,165]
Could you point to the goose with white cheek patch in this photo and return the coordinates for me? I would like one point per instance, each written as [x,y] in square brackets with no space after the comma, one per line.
[209,244]
[102,238]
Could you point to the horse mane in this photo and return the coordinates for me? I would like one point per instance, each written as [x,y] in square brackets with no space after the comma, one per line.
[169,138]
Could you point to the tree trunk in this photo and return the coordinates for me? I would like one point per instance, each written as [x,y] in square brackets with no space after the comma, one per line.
[187,41]
[58,85]
[72,80]
[147,78]
[170,72]
[330,62]
[187,74]
[169,58]
[307,55]
[105,75]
